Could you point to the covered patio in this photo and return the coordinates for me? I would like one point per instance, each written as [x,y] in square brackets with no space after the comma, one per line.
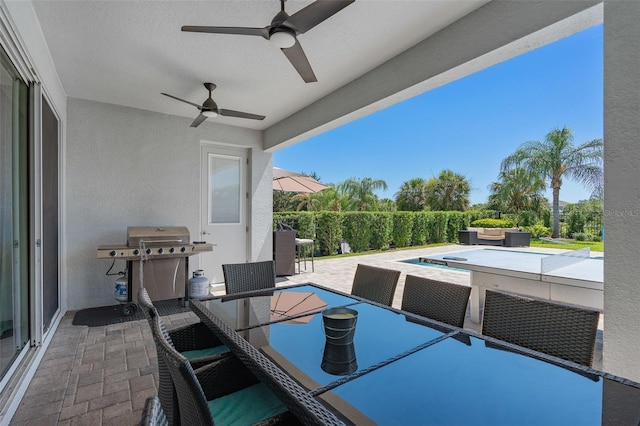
[104,374]
[106,150]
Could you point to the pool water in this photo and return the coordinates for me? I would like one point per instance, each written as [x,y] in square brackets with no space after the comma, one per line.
[416,261]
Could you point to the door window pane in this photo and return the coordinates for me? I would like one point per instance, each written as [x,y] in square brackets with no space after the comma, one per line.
[14,330]
[224,189]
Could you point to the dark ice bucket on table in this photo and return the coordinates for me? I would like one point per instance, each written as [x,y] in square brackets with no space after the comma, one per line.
[339,355]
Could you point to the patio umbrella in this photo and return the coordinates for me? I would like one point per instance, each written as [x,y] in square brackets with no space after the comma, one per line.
[284,180]
[288,304]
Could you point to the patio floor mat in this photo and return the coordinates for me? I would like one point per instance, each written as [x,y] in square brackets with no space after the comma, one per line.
[106,315]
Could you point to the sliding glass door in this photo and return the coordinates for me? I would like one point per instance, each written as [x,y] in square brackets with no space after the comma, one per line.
[14,215]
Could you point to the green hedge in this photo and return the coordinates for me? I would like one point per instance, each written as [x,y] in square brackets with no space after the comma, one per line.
[420,234]
[382,225]
[357,230]
[329,231]
[455,222]
[379,230]
[402,227]
[438,230]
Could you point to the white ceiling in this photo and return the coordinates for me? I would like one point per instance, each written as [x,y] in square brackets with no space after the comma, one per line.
[128,52]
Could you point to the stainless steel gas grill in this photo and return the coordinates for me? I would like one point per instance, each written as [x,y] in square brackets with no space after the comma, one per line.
[163,253]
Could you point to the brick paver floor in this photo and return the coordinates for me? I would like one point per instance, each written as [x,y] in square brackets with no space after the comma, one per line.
[103,375]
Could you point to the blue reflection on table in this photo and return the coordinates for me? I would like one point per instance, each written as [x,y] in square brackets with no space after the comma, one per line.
[377,338]
[453,383]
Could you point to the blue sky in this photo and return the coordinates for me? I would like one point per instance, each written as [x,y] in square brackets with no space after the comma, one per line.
[469,125]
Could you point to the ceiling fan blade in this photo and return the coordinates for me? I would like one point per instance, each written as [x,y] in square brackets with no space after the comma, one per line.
[199,119]
[307,18]
[262,32]
[181,100]
[232,113]
[299,60]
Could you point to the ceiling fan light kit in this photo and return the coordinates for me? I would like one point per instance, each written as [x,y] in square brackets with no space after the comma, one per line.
[210,114]
[282,38]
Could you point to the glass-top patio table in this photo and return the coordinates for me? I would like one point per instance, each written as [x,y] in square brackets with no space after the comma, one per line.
[406,369]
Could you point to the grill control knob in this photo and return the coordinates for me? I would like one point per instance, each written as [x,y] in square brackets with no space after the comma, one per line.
[183,249]
[113,253]
[171,250]
[136,252]
[160,250]
[148,251]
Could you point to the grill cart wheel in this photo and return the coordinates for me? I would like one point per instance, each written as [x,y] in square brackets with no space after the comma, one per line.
[129,309]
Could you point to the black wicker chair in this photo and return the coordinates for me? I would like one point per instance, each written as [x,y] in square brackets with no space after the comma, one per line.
[241,277]
[438,300]
[375,284]
[224,391]
[196,342]
[153,415]
[563,331]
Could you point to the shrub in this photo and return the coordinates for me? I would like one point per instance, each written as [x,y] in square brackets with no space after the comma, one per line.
[306,229]
[402,227]
[581,236]
[576,222]
[306,225]
[329,231]
[357,230]
[546,218]
[527,218]
[438,228]
[382,225]
[492,223]
[538,231]
[597,238]
[455,222]
[420,229]
[510,217]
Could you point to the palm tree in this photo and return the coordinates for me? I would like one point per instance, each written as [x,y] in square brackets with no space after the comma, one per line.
[306,201]
[556,158]
[412,195]
[361,193]
[451,192]
[327,199]
[517,190]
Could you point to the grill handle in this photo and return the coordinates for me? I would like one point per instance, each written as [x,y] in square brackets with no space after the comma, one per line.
[161,241]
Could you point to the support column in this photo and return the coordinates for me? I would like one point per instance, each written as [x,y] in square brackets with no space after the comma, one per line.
[622,188]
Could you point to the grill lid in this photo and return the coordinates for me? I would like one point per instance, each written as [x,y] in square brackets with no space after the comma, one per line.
[157,235]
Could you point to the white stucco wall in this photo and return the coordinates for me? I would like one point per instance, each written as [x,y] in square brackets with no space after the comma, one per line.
[622,188]
[129,167]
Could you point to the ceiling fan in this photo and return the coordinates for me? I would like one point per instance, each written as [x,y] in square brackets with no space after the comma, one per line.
[284,29]
[210,109]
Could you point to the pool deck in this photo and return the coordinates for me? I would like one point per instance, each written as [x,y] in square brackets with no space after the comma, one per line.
[103,375]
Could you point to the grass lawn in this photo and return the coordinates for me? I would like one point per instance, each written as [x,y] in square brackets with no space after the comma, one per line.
[568,244]
[565,244]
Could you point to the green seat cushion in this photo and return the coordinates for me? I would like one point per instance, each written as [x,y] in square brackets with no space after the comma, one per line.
[216,350]
[246,406]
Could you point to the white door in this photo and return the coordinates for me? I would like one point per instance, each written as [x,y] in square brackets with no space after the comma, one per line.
[223,208]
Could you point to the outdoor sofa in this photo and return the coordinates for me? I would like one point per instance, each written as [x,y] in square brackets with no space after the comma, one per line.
[508,237]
